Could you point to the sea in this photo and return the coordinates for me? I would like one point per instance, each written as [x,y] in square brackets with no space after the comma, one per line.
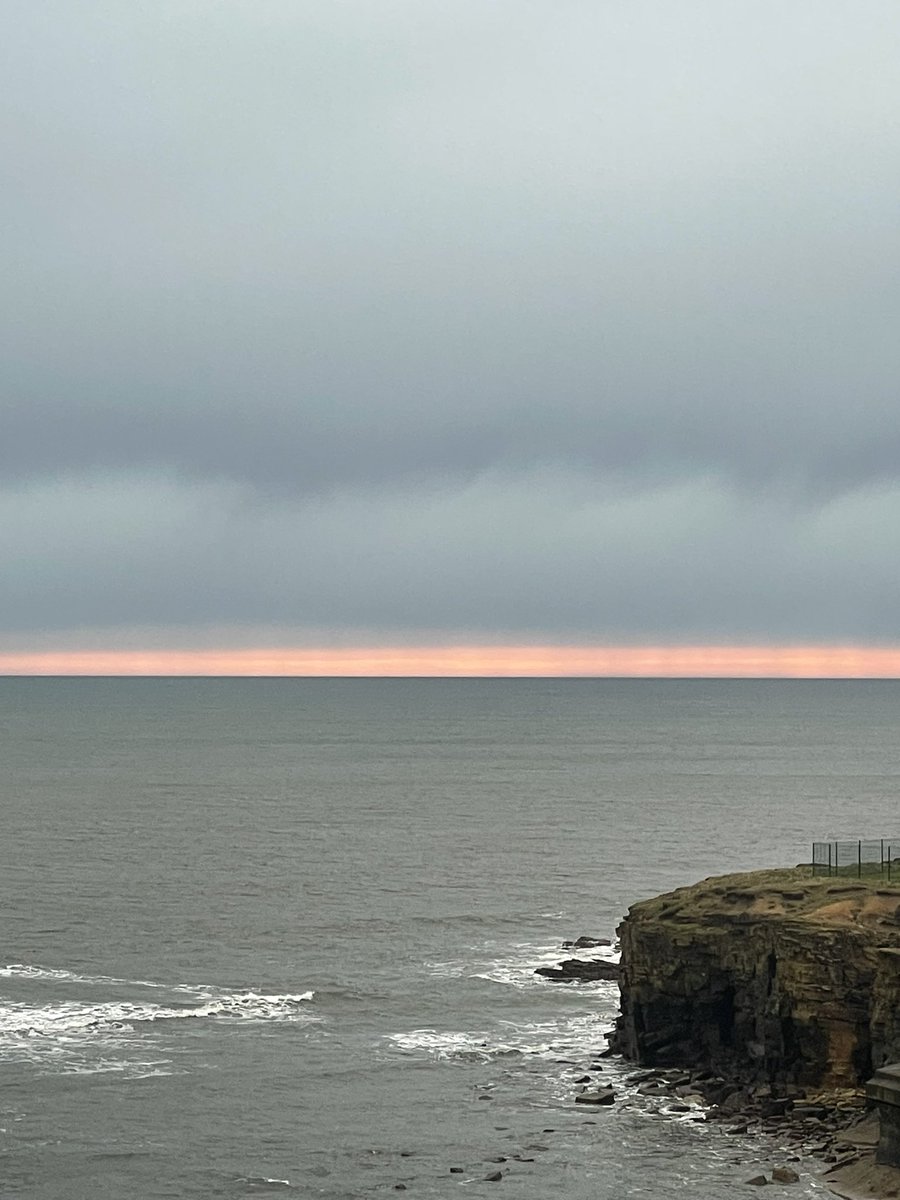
[277,937]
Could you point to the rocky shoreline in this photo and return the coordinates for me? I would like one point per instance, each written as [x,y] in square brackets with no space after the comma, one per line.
[821,1128]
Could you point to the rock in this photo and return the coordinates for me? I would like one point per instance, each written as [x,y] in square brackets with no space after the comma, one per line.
[587,943]
[456,1170]
[583,970]
[603,1096]
[653,1089]
[776,1108]
[494,1177]
[785,1175]
[583,1079]
[736,1102]
[757,1181]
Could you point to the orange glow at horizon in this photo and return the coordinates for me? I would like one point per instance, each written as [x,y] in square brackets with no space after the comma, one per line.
[760,661]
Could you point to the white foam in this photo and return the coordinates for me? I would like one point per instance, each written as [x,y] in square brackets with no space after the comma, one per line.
[70,1016]
[50,975]
[544,1039]
[85,1036]
[515,964]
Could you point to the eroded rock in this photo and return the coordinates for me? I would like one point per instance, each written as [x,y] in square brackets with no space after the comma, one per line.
[785,1175]
[773,978]
[603,1096]
[585,970]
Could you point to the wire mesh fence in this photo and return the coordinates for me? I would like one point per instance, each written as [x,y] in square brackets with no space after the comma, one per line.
[865,856]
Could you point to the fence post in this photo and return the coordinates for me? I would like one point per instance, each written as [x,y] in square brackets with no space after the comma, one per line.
[829,858]
[859,859]
[881,872]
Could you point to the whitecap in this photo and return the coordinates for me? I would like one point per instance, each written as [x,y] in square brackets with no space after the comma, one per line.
[578,1035]
[514,964]
[28,971]
[84,1037]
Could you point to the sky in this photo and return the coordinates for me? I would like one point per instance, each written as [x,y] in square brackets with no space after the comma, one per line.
[485,329]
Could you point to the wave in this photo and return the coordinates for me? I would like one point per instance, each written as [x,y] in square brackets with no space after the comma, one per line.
[26,971]
[580,1035]
[105,1034]
[515,963]
[27,1020]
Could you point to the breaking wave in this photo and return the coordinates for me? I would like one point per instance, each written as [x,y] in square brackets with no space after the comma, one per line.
[77,1035]
[578,1035]
[515,964]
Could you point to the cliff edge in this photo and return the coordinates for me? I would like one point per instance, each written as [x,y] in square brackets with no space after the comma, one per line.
[772,977]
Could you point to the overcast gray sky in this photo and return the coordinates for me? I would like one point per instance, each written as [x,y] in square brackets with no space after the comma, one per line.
[556,320]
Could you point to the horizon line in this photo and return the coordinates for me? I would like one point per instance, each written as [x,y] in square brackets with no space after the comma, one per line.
[696,661]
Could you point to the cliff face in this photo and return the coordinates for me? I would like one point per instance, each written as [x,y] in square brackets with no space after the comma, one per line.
[772,977]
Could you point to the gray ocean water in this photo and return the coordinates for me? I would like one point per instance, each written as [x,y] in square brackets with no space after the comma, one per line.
[277,937]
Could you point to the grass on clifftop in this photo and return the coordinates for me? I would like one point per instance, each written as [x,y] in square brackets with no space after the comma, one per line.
[793,893]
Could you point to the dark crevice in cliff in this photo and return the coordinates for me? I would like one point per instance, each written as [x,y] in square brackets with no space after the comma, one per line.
[723,1012]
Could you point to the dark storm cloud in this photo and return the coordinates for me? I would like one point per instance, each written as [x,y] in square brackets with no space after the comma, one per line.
[574,319]
[545,556]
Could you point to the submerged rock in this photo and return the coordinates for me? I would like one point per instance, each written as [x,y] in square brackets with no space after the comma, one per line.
[603,1096]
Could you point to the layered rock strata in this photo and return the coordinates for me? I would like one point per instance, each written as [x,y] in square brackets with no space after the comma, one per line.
[773,977]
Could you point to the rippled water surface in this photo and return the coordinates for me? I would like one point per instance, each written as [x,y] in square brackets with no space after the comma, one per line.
[278,936]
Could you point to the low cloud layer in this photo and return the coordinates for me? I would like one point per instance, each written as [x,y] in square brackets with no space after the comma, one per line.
[507,321]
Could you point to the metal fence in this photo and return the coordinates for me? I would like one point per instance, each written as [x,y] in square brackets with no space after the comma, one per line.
[865,856]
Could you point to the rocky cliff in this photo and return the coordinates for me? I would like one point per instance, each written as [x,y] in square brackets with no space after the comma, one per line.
[772,977]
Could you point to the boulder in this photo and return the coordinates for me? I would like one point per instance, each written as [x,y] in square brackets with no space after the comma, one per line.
[785,1175]
[603,1096]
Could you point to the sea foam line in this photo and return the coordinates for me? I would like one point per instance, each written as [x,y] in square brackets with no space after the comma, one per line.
[544,1039]
[55,975]
[21,1019]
